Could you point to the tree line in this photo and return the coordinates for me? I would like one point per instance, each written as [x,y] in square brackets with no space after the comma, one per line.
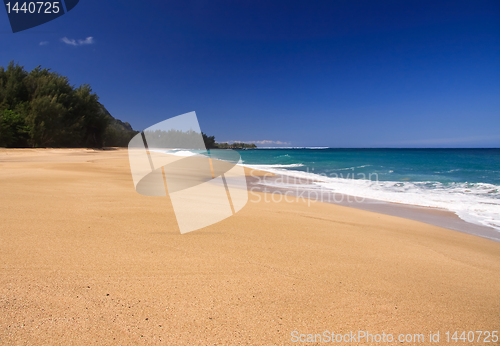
[41,109]
[210,143]
[188,140]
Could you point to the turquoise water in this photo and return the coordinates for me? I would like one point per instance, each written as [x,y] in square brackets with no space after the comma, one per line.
[464,181]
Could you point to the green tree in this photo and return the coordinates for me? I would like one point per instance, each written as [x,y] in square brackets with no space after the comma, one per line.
[209,141]
[12,88]
[41,109]
[93,119]
[13,130]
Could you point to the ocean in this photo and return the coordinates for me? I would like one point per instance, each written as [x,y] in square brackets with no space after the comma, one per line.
[463,181]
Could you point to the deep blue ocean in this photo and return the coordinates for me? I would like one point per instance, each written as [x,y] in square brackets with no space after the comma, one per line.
[464,181]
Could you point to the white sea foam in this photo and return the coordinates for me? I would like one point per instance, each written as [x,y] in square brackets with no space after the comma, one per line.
[352,168]
[477,203]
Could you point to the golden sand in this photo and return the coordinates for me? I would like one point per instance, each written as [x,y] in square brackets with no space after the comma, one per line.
[87,260]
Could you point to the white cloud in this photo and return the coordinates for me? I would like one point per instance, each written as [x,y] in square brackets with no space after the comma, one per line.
[73,42]
[272,142]
[88,40]
[44,43]
[68,41]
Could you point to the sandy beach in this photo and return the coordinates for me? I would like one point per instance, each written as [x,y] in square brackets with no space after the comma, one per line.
[85,259]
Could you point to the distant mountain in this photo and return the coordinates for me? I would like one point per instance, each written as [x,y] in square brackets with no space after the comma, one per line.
[118,133]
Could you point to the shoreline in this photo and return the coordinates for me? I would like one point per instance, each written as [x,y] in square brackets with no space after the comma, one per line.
[432,216]
[86,259]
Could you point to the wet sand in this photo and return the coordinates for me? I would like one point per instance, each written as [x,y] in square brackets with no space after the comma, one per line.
[303,188]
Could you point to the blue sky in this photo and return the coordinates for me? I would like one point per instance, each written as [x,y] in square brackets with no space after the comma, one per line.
[300,73]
